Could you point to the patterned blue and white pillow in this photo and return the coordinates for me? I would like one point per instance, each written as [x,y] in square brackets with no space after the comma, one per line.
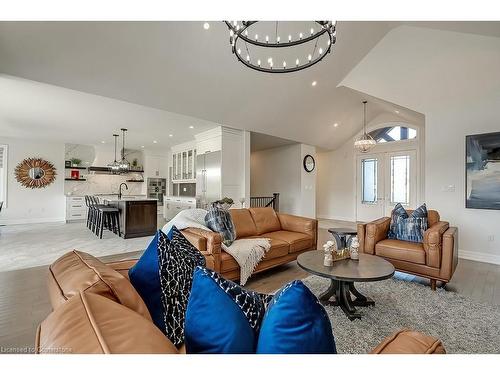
[408,228]
[177,260]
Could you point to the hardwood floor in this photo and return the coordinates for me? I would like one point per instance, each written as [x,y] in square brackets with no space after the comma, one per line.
[24,301]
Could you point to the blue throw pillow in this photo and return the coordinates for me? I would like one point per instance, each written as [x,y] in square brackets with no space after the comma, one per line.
[221,316]
[145,277]
[295,323]
[406,227]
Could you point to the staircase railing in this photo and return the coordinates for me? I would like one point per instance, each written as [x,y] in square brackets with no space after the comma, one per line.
[273,201]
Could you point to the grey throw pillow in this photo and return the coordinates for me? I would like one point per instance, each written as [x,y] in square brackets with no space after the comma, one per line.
[219,220]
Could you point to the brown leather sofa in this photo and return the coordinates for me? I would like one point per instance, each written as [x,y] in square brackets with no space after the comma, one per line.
[290,236]
[436,258]
[97,310]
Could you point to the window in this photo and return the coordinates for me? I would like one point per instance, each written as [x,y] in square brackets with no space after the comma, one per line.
[393,134]
[400,179]
[369,180]
[3,174]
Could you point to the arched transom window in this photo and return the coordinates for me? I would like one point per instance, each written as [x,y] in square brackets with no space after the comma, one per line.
[393,134]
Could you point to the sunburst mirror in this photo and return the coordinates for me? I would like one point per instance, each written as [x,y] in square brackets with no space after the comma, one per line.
[35,173]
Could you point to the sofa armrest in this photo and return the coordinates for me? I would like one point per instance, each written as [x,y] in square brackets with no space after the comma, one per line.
[433,239]
[361,229]
[203,240]
[376,231]
[409,342]
[449,254]
[300,224]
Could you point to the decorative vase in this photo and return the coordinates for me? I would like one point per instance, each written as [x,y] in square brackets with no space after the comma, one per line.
[328,260]
[355,249]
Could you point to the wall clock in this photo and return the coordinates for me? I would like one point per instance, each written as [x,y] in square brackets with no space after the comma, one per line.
[309,163]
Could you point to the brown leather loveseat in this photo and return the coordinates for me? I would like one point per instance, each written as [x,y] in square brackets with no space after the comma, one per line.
[436,258]
[97,310]
[290,236]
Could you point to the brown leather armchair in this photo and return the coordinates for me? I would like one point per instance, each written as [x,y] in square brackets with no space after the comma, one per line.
[436,258]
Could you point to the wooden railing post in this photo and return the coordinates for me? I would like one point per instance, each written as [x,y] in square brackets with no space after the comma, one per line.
[276,202]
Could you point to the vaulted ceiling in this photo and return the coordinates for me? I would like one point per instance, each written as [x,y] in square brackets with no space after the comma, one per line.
[181,68]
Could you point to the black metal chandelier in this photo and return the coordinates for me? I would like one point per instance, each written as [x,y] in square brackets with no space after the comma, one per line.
[317,42]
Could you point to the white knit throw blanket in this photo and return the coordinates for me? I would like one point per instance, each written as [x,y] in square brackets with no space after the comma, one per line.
[247,252]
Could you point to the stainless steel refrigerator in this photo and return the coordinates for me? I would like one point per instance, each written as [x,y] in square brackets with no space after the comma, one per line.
[208,178]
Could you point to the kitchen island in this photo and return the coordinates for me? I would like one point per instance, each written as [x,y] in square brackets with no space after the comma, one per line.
[138,217]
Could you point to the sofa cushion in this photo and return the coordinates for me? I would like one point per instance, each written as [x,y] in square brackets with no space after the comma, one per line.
[409,342]
[265,219]
[77,271]
[145,277]
[177,260]
[243,222]
[278,249]
[226,323]
[412,252]
[297,241]
[89,323]
[295,323]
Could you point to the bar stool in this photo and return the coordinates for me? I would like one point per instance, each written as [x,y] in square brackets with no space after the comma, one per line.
[109,218]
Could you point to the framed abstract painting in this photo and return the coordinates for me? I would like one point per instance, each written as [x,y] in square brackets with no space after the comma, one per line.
[482,171]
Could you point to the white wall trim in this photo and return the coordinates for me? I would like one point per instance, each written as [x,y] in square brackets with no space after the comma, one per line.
[479,257]
[340,218]
[32,221]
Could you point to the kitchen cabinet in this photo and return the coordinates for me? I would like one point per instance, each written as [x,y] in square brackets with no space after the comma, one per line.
[173,205]
[76,209]
[183,165]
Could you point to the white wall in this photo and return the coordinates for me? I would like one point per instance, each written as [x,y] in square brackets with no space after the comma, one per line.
[235,155]
[307,183]
[280,170]
[26,205]
[454,80]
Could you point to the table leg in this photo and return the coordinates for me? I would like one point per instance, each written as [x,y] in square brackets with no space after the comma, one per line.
[345,302]
[360,300]
[329,293]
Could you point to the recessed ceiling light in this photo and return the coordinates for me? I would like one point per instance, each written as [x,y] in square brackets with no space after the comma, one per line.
[142,146]
[170,135]
[314,83]
[103,141]
[206,26]
[335,125]
[397,112]
[191,127]
[155,141]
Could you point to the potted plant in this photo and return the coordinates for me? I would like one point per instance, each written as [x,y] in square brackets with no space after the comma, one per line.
[75,162]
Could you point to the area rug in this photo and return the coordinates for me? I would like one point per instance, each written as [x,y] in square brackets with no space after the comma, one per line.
[463,325]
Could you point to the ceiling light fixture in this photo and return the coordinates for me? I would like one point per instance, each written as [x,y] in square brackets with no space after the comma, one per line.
[191,127]
[335,125]
[155,141]
[314,83]
[314,47]
[171,135]
[124,164]
[115,166]
[364,143]
[206,26]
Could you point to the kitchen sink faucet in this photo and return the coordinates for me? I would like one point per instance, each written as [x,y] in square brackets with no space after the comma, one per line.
[120,190]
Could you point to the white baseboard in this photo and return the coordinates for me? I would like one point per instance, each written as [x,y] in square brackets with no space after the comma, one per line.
[340,218]
[479,257]
[32,221]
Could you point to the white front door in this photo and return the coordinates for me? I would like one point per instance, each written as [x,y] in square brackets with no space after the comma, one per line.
[383,180]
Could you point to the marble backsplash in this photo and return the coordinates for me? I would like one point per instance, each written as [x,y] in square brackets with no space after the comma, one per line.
[104,184]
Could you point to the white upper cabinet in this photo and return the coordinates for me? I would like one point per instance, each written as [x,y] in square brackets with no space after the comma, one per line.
[184,162]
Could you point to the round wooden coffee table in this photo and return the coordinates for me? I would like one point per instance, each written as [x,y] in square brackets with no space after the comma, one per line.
[343,274]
